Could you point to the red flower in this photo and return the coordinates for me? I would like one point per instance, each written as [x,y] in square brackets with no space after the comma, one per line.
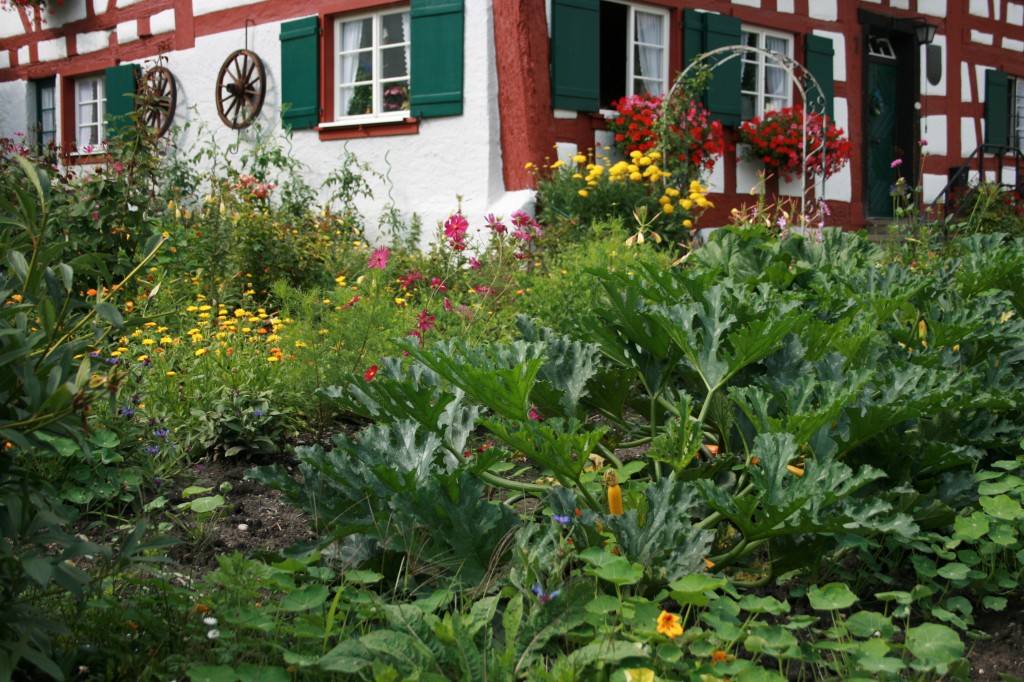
[370,373]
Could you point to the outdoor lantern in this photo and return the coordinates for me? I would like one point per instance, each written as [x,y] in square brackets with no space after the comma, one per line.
[925,33]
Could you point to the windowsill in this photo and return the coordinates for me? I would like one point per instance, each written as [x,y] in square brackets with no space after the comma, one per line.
[340,130]
[85,158]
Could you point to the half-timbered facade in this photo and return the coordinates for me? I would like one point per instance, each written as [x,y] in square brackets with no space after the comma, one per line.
[453,97]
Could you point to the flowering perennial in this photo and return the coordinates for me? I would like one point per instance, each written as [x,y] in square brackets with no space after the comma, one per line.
[777,140]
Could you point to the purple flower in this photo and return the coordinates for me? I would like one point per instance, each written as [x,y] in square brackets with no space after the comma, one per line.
[542,596]
[162,433]
[152,449]
[257,412]
[561,519]
[113,361]
[126,412]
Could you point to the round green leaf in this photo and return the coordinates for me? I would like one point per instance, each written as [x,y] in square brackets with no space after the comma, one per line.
[970,527]
[934,644]
[249,672]
[205,505]
[867,623]
[831,597]
[212,673]
[305,598]
[954,571]
[1002,507]
[619,572]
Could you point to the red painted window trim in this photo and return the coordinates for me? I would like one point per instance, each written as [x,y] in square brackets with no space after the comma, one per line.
[408,126]
[68,120]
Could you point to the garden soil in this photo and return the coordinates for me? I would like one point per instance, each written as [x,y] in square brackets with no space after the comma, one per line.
[257,520]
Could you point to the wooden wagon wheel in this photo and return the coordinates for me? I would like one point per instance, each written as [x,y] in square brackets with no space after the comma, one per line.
[241,86]
[159,97]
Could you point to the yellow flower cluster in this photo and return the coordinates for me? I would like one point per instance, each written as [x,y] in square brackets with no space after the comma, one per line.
[639,168]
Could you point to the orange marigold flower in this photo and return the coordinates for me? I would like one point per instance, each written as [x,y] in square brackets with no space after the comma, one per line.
[669,624]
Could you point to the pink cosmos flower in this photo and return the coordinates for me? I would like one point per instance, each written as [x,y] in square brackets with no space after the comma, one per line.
[896,164]
[437,284]
[379,259]
[474,263]
[425,321]
[447,304]
[495,224]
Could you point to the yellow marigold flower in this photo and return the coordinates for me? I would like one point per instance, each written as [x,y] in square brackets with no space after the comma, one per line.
[204,316]
[300,344]
[204,308]
[529,165]
[632,168]
[115,353]
[672,192]
[273,358]
[580,158]
[669,624]
[592,183]
[148,342]
[171,374]
[584,193]
[636,176]
[191,308]
[644,161]
[664,200]
[688,223]
[687,204]
[17,298]
[400,301]
[201,352]
[668,208]
[142,358]
[239,312]
[635,154]
[557,164]
[166,340]
[654,155]
[577,176]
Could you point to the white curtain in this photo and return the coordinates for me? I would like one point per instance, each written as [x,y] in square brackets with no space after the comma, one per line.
[775,79]
[406,28]
[351,38]
[648,31]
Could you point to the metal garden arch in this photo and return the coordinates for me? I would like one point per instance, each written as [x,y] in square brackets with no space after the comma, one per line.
[807,85]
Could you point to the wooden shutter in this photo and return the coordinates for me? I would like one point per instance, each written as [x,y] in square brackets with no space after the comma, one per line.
[818,54]
[300,73]
[437,35]
[724,91]
[997,107]
[120,84]
[693,35]
[575,55]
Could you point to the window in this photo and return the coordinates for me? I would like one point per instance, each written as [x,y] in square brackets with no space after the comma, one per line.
[90,109]
[46,113]
[370,73]
[634,54]
[764,85]
[371,70]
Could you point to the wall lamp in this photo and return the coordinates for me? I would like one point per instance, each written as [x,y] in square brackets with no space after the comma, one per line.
[924,32]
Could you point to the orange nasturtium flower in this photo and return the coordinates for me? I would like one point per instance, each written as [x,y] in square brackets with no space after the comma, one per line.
[669,625]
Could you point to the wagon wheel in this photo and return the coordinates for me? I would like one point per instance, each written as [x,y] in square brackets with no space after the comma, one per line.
[241,86]
[159,99]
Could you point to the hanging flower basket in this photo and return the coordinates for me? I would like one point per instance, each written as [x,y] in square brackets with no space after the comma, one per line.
[777,140]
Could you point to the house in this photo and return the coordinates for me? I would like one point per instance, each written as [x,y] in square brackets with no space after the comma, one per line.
[451,98]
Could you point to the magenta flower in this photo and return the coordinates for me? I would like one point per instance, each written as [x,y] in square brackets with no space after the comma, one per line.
[379,259]
[425,321]
[896,164]
[495,224]
[455,226]
[437,284]
[474,263]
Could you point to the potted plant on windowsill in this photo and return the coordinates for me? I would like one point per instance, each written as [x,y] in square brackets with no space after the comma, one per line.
[777,140]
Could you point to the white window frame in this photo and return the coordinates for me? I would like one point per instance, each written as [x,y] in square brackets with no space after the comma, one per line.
[377,83]
[760,95]
[633,42]
[101,109]
[46,117]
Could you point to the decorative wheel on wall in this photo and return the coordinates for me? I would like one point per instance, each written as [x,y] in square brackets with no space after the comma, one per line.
[241,86]
[158,98]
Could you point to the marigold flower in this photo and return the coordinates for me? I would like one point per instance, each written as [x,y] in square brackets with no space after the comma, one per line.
[669,624]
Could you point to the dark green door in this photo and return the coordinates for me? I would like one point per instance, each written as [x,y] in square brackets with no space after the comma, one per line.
[881,137]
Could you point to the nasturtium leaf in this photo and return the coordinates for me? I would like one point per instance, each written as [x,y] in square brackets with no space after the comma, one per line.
[619,571]
[1004,484]
[773,640]
[603,604]
[954,571]
[993,603]
[831,596]
[754,604]
[250,672]
[1004,535]
[870,624]
[934,645]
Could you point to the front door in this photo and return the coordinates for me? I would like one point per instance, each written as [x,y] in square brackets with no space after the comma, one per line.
[881,137]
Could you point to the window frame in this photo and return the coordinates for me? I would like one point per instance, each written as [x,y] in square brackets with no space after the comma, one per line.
[632,43]
[760,95]
[100,124]
[334,60]
[42,141]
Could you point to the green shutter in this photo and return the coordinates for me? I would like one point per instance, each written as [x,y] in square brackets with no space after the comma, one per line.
[300,73]
[693,35]
[997,107]
[120,84]
[818,60]
[724,91]
[437,35]
[575,55]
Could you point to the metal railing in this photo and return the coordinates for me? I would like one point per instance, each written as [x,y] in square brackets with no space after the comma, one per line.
[983,160]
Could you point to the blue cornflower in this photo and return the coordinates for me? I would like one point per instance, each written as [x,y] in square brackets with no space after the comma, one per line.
[113,361]
[542,596]
[162,433]
[257,412]
[126,411]
[561,519]
[152,449]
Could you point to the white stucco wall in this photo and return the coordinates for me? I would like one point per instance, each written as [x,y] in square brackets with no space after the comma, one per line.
[450,157]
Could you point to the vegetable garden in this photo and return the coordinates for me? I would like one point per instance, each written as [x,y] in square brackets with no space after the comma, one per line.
[555,448]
